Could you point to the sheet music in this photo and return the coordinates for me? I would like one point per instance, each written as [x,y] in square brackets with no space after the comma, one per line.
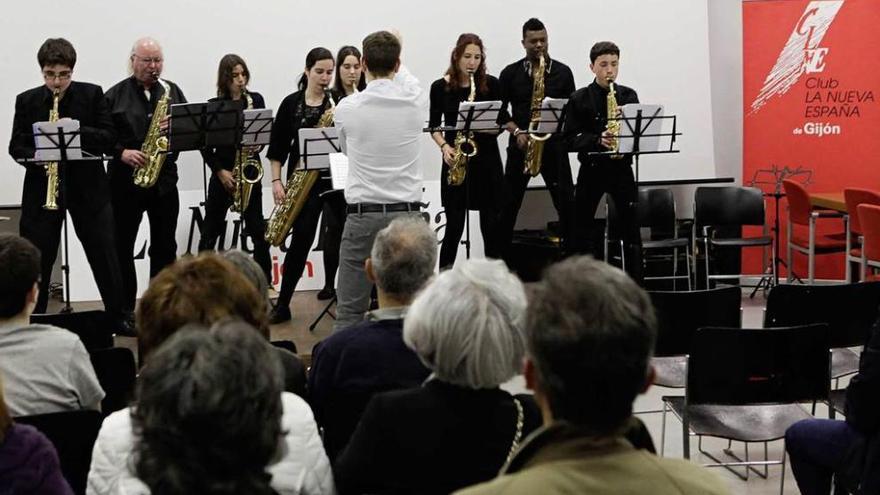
[651,124]
[46,140]
[485,115]
[315,144]
[338,170]
[551,113]
[257,127]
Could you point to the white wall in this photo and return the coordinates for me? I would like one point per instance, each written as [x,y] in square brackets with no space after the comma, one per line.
[726,62]
[666,53]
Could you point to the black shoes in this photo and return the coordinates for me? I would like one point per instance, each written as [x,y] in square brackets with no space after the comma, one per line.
[326,293]
[280,314]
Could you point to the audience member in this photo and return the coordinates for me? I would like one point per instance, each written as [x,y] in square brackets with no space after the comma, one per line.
[208,417]
[28,461]
[206,289]
[204,423]
[46,368]
[590,332]
[850,450]
[352,365]
[459,427]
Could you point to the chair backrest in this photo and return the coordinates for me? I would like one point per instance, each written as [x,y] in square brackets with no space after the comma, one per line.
[117,372]
[869,216]
[855,197]
[287,345]
[680,314]
[799,206]
[73,434]
[92,327]
[728,206]
[849,309]
[735,366]
[656,210]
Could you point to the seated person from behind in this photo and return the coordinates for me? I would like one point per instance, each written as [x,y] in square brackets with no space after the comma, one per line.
[590,333]
[205,290]
[46,368]
[369,357]
[459,427]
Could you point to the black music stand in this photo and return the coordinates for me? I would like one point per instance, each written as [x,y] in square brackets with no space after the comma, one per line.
[472,117]
[63,147]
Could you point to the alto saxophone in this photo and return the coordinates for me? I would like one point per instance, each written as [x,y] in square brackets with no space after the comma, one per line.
[465,147]
[296,192]
[613,126]
[244,182]
[155,145]
[52,167]
[535,148]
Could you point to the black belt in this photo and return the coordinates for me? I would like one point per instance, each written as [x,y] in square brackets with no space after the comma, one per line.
[382,208]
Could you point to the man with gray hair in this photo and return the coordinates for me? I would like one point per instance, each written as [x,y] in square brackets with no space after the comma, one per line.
[590,333]
[352,365]
[131,103]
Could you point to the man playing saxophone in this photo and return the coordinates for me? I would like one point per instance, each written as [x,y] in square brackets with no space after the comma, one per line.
[132,102]
[84,192]
[519,90]
[224,187]
[587,130]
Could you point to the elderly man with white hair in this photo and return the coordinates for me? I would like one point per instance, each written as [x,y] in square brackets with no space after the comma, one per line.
[132,102]
[459,427]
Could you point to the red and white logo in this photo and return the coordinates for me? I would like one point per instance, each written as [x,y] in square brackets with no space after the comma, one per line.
[802,53]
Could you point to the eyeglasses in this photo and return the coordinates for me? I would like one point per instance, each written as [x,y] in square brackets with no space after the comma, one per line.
[63,75]
[149,60]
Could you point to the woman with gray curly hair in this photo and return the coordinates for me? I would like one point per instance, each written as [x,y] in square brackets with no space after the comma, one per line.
[459,427]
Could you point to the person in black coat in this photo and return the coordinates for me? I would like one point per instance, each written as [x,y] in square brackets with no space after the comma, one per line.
[232,79]
[849,450]
[460,427]
[83,187]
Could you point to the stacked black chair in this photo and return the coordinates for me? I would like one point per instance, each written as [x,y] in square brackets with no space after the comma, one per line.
[92,327]
[117,372]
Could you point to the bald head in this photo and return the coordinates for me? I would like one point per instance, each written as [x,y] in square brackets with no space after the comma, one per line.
[146,61]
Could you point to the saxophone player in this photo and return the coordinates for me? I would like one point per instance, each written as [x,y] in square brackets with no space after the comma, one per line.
[87,195]
[232,80]
[586,121]
[518,91]
[301,109]
[132,102]
[483,176]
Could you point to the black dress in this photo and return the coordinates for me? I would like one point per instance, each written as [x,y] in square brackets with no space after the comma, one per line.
[482,187]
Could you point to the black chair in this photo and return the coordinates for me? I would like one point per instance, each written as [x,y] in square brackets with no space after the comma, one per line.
[745,385]
[849,310]
[287,345]
[655,211]
[117,372]
[73,434]
[92,327]
[730,207]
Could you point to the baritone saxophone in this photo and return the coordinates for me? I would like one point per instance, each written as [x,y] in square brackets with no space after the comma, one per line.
[52,167]
[535,147]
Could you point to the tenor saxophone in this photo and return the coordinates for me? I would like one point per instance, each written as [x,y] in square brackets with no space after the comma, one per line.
[535,147]
[244,182]
[155,145]
[465,147]
[52,167]
[296,192]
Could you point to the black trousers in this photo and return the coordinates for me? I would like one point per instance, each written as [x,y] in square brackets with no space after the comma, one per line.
[254,225]
[455,223]
[555,170]
[303,231]
[332,223]
[130,202]
[616,179]
[94,229]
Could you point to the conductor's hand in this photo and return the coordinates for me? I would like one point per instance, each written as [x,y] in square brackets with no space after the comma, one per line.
[277,192]
[606,140]
[133,158]
[448,154]
[225,177]
[522,141]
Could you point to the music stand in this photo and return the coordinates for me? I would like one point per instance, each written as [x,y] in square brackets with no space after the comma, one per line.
[256,132]
[474,116]
[60,142]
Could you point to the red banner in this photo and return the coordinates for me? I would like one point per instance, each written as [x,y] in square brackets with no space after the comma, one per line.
[810,89]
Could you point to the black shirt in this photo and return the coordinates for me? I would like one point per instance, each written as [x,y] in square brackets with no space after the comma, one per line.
[84,102]
[132,114]
[517,85]
[586,118]
[293,114]
[223,157]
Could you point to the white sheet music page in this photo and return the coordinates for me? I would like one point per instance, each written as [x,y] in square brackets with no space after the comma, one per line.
[338,170]
[47,147]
